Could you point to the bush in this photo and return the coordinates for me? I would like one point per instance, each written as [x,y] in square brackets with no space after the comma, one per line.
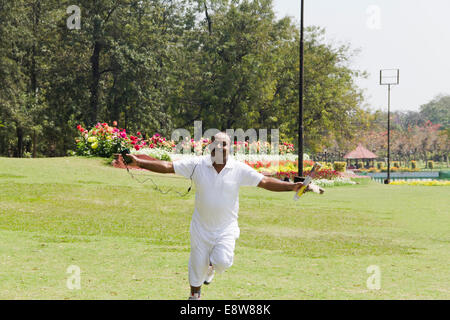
[413,164]
[430,164]
[104,141]
[380,165]
[339,166]
[396,164]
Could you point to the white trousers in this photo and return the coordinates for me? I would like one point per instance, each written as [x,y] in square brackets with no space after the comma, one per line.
[206,247]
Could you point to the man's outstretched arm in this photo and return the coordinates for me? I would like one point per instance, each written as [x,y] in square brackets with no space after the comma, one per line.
[276,185]
[152,165]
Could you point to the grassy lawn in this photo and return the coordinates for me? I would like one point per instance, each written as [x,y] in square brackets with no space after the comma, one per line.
[131,242]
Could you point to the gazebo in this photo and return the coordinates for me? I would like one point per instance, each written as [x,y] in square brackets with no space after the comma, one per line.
[360,153]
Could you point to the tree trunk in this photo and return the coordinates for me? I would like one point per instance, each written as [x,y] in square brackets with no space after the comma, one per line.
[34,68]
[95,64]
[208,19]
[19,132]
[34,143]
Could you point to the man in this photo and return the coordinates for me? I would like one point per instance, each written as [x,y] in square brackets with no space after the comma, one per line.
[214,226]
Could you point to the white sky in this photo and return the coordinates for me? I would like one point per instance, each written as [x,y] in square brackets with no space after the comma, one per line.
[413,35]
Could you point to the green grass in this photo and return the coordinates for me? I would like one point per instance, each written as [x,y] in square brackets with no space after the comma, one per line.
[133,243]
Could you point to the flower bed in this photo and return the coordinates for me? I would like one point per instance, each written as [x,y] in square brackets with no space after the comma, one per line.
[104,140]
[393,169]
[289,169]
[433,183]
[335,182]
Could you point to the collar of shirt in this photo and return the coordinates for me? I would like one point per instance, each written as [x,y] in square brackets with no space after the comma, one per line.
[229,163]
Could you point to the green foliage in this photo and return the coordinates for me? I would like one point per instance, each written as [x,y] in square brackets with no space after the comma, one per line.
[413,164]
[101,148]
[380,165]
[154,66]
[339,166]
[430,164]
[437,111]
[396,164]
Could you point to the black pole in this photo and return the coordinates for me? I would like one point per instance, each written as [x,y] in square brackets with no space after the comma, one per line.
[388,180]
[300,93]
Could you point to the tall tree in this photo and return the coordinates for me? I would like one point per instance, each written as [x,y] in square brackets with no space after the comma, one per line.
[437,110]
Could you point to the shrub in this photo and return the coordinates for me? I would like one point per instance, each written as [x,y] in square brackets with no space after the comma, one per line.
[322,174]
[422,183]
[102,141]
[339,166]
[430,164]
[396,164]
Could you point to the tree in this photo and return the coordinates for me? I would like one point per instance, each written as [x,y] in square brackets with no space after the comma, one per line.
[437,110]
[157,65]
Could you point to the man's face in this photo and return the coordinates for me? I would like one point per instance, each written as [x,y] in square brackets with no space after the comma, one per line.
[220,148]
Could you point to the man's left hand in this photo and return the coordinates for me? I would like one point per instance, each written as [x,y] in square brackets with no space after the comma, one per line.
[311,187]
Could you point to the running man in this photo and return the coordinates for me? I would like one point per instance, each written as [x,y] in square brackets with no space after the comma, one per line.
[214,226]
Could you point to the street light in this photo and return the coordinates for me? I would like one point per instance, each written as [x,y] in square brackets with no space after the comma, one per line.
[300,96]
[389,77]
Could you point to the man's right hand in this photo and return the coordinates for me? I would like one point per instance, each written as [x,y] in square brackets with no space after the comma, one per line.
[133,160]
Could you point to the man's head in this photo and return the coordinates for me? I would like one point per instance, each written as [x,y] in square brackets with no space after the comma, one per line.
[220,148]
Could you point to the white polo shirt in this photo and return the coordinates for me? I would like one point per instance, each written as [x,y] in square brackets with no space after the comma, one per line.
[217,194]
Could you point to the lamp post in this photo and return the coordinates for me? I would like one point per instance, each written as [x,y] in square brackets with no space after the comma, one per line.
[300,96]
[389,77]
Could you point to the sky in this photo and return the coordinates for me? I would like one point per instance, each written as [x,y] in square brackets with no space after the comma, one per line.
[410,35]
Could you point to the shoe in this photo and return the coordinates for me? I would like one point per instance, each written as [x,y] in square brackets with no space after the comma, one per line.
[194,296]
[209,275]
